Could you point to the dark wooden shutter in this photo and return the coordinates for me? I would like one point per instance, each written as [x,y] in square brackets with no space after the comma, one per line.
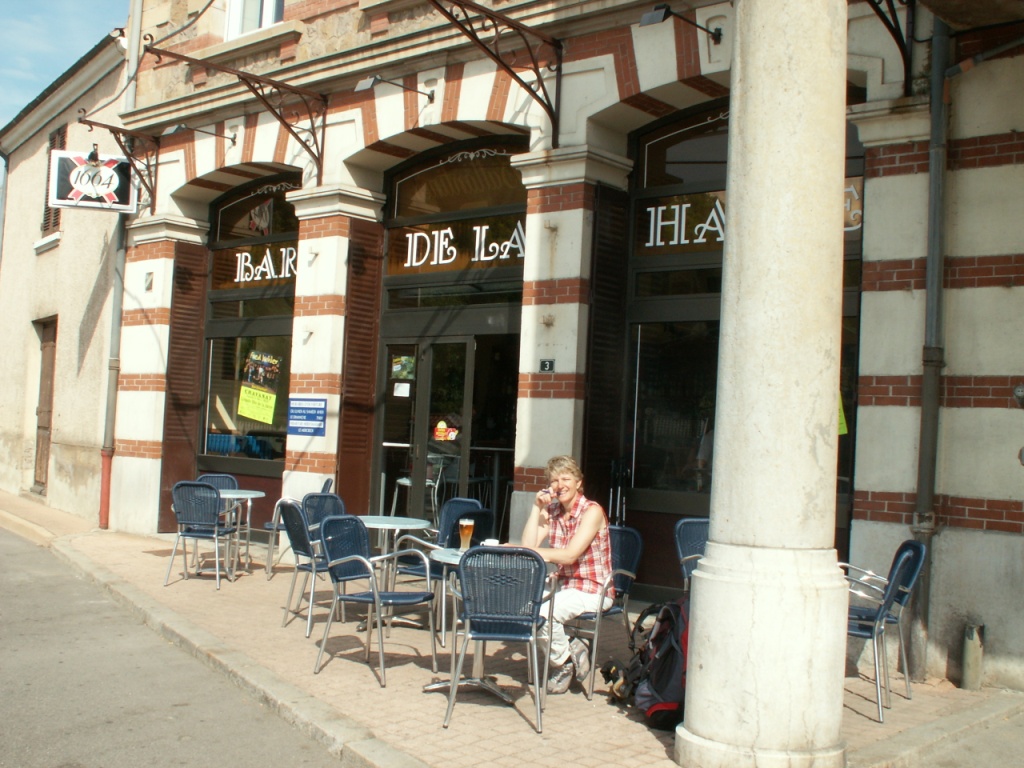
[51,216]
[184,395]
[607,368]
[362,328]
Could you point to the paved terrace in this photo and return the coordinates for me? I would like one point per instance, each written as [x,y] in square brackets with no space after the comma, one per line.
[238,630]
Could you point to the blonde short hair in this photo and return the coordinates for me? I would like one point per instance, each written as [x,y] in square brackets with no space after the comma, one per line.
[560,464]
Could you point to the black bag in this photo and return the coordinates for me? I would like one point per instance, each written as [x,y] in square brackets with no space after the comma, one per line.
[654,681]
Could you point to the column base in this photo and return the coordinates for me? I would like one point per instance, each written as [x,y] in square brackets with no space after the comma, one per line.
[693,750]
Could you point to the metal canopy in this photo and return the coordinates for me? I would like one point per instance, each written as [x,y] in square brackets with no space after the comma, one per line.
[903,37]
[493,25]
[141,149]
[273,95]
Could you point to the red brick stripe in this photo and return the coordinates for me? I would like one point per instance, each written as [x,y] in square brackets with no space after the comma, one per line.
[139,449]
[555,386]
[308,461]
[325,304]
[142,382]
[1002,515]
[560,197]
[561,291]
[314,384]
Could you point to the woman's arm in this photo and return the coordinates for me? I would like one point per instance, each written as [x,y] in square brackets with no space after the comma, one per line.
[535,532]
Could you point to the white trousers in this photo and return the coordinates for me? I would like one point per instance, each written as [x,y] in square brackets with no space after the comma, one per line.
[569,603]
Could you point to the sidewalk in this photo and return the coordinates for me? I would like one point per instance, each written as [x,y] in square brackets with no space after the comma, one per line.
[238,630]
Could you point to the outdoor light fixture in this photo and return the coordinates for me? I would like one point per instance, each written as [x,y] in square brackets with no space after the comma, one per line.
[368,82]
[662,11]
[233,138]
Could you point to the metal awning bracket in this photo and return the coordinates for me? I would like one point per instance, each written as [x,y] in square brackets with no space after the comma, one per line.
[477,22]
[278,97]
[141,150]
[904,37]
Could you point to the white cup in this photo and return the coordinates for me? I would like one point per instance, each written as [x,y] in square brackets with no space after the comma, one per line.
[490,542]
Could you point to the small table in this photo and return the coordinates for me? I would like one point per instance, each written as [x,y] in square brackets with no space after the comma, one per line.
[240,494]
[449,557]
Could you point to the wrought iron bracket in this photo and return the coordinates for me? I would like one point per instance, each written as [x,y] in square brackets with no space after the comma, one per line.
[904,37]
[490,24]
[141,149]
[275,95]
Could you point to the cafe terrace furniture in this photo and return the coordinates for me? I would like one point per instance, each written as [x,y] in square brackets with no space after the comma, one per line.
[502,589]
[858,577]
[446,535]
[318,507]
[691,540]
[627,548]
[870,624]
[346,545]
[307,560]
[232,497]
[275,528]
[222,482]
[198,510]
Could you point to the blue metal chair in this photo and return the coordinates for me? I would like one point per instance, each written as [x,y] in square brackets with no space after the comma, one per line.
[275,528]
[859,578]
[502,592]
[198,509]
[691,540]
[225,482]
[318,507]
[627,547]
[307,560]
[870,625]
[447,535]
[346,546]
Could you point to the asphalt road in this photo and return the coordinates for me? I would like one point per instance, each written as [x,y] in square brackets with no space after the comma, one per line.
[83,684]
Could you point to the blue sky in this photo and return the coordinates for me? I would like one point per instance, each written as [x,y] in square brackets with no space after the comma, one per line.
[41,39]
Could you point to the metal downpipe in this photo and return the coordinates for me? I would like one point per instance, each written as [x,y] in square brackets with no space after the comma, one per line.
[924,525]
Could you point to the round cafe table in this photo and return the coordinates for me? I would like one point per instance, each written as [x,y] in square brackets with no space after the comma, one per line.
[229,495]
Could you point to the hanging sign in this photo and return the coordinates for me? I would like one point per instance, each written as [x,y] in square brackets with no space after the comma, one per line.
[91,180]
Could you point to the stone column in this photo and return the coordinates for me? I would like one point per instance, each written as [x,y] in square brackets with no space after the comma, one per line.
[767,639]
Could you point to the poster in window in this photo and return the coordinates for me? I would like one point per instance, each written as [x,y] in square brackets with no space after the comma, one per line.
[258,395]
[403,367]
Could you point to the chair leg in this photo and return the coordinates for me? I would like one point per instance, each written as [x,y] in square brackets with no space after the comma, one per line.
[885,668]
[903,658]
[878,679]
[309,608]
[288,602]
[538,683]
[371,610]
[184,559]
[593,658]
[327,630]
[456,675]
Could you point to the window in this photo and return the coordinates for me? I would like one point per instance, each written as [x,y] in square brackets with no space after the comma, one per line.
[51,216]
[249,323]
[245,16]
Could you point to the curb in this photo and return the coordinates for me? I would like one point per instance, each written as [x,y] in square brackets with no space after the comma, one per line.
[355,745]
[906,749]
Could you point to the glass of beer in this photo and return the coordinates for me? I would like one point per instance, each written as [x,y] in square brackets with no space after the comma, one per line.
[465,533]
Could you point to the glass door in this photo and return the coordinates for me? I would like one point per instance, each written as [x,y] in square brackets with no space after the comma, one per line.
[448,423]
[426,399]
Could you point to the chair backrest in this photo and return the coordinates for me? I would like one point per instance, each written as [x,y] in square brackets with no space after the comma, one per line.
[900,575]
[691,539]
[627,547]
[451,511]
[296,527]
[327,485]
[483,527]
[917,552]
[343,536]
[219,480]
[502,589]
[196,504]
[319,506]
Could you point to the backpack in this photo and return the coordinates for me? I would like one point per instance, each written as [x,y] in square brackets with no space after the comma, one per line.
[654,681]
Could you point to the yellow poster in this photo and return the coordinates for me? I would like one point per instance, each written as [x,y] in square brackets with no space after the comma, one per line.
[258,394]
[842,418]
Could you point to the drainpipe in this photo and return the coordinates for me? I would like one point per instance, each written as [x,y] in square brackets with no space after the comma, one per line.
[113,370]
[117,296]
[933,354]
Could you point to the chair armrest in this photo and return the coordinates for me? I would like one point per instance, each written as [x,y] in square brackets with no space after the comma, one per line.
[408,537]
[399,553]
[865,575]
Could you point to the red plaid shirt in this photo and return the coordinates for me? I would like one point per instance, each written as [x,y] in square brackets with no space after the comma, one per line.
[588,573]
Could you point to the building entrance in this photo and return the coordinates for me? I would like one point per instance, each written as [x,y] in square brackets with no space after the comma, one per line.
[448,422]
